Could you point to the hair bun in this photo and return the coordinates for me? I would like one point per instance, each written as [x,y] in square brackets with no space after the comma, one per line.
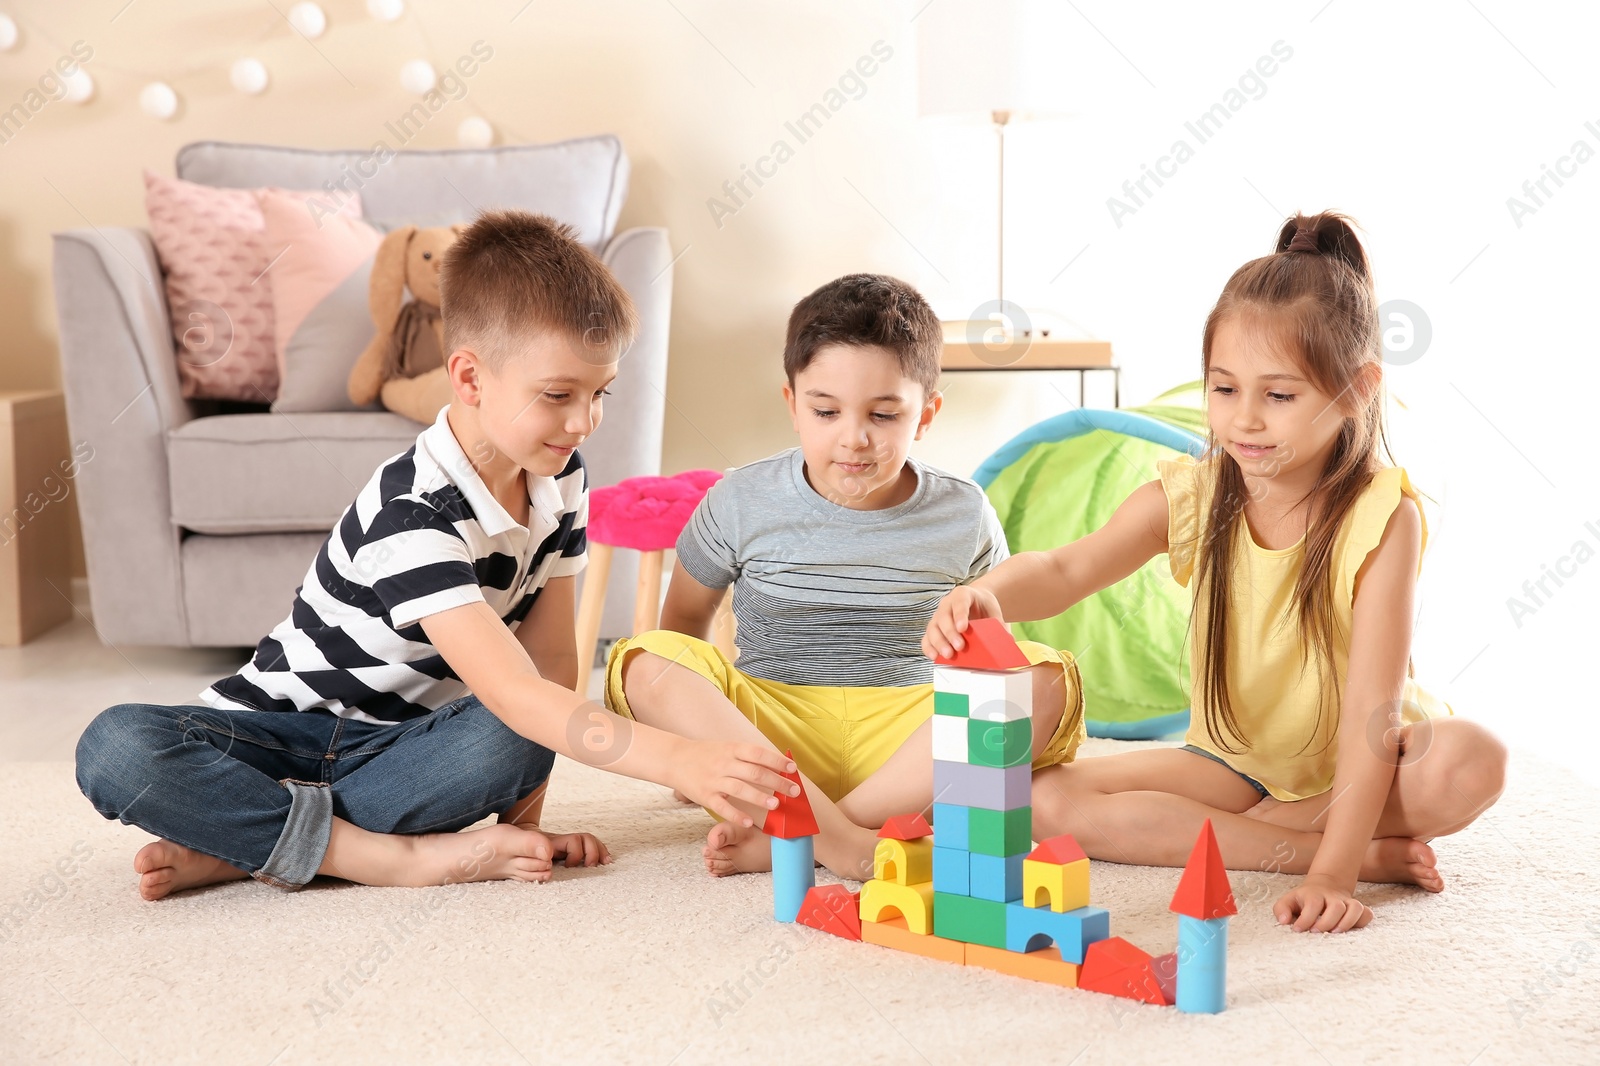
[1305,240]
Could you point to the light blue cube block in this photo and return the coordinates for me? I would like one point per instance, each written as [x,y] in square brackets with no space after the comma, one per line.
[950,871]
[997,878]
[950,826]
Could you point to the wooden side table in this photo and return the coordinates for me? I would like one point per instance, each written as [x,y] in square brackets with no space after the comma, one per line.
[37,477]
[1040,353]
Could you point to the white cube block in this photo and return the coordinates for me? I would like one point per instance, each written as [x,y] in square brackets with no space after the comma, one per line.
[995,696]
[949,738]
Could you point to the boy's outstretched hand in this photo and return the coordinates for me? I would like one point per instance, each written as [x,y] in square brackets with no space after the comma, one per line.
[1318,904]
[714,774]
[965,602]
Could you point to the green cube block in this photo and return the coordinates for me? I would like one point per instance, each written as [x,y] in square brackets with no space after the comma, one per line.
[1000,833]
[999,743]
[950,703]
[969,920]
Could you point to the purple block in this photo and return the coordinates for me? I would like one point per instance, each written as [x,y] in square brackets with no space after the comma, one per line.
[990,787]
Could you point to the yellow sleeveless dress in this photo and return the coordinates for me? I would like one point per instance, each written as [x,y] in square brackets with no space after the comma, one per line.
[1274,698]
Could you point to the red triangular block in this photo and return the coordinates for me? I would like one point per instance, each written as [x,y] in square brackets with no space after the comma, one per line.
[1203,890]
[1060,850]
[833,909]
[1165,967]
[1117,968]
[792,818]
[906,827]
[989,647]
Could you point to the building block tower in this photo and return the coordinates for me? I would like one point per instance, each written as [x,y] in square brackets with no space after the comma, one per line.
[1204,903]
[792,825]
[982,784]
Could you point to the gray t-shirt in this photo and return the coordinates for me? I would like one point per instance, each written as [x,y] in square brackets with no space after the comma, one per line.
[826,595]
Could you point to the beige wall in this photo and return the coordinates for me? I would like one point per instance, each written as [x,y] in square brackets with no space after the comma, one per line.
[875,189]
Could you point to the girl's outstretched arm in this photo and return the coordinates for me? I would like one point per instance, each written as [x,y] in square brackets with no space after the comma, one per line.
[1043,584]
[1369,729]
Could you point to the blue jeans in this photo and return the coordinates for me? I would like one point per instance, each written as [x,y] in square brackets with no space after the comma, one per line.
[260,789]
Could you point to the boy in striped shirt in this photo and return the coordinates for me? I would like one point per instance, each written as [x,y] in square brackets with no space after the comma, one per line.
[425,676]
[838,552]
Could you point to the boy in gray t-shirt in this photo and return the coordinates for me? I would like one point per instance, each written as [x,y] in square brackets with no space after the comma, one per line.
[838,552]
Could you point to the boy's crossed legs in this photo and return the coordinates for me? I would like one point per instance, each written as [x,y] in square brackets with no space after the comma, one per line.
[660,689]
[285,796]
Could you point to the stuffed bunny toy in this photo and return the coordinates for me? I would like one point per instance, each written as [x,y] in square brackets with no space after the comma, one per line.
[404,364]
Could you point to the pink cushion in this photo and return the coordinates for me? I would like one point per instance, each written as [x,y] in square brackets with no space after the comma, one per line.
[647,513]
[321,265]
[212,248]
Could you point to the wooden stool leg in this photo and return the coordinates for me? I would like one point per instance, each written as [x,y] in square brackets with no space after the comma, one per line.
[647,600]
[590,608]
[724,626]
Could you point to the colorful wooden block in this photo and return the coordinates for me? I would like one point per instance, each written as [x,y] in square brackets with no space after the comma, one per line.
[892,933]
[995,877]
[905,862]
[972,921]
[987,645]
[906,827]
[1060,888]
[999,743]
[950,737]
[1203,890]
[833,909]
[1165,967]
[950,822]
[1002,833]
[1202,965]
[1117,968]
[1030,928]
[993,787]
[992,697]
[1044,965]
[794,873]
[885,899]
[793,817]
[952,871]
[950,704]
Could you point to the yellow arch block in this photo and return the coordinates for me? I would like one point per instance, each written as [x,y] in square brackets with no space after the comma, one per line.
[885,899]
[1062,887]
[905,862]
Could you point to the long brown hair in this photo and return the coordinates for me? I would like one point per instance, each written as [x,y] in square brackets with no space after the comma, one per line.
[1315,293]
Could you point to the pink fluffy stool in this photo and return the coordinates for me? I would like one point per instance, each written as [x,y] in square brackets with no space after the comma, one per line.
[645,514]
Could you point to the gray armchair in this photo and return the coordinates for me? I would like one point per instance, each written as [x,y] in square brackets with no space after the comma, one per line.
[200,523]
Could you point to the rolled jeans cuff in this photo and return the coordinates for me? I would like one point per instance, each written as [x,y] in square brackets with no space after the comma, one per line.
[304,840]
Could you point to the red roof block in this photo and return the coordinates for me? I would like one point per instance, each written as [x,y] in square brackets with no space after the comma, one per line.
[906,827]
[1059,850]
[1203,890]
[1117,968]
[989,647]
[833,909]
[792,818]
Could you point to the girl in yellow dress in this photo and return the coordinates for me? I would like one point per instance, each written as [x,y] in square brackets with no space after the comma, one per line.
[1310,747]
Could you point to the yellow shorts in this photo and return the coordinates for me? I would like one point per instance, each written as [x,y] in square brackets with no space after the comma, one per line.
[839,735]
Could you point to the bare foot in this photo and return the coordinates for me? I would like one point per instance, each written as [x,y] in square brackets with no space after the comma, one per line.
[165,868]
[681,798]
[503,852]
[733,849]
[1401,861]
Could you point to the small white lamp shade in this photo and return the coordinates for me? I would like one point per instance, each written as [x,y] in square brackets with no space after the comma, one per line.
[248,75]
[418,76]
[308,19]
[80,87]
[475,132]
[158,100]
[386,10]
[8,33]
[1000,55]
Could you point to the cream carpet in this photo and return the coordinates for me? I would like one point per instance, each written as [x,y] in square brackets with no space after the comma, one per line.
[649,960]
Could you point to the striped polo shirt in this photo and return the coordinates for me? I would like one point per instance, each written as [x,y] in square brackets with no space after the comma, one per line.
[423,536]
[827,595]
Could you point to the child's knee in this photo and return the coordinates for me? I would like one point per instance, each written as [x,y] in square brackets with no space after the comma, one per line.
[117,743]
